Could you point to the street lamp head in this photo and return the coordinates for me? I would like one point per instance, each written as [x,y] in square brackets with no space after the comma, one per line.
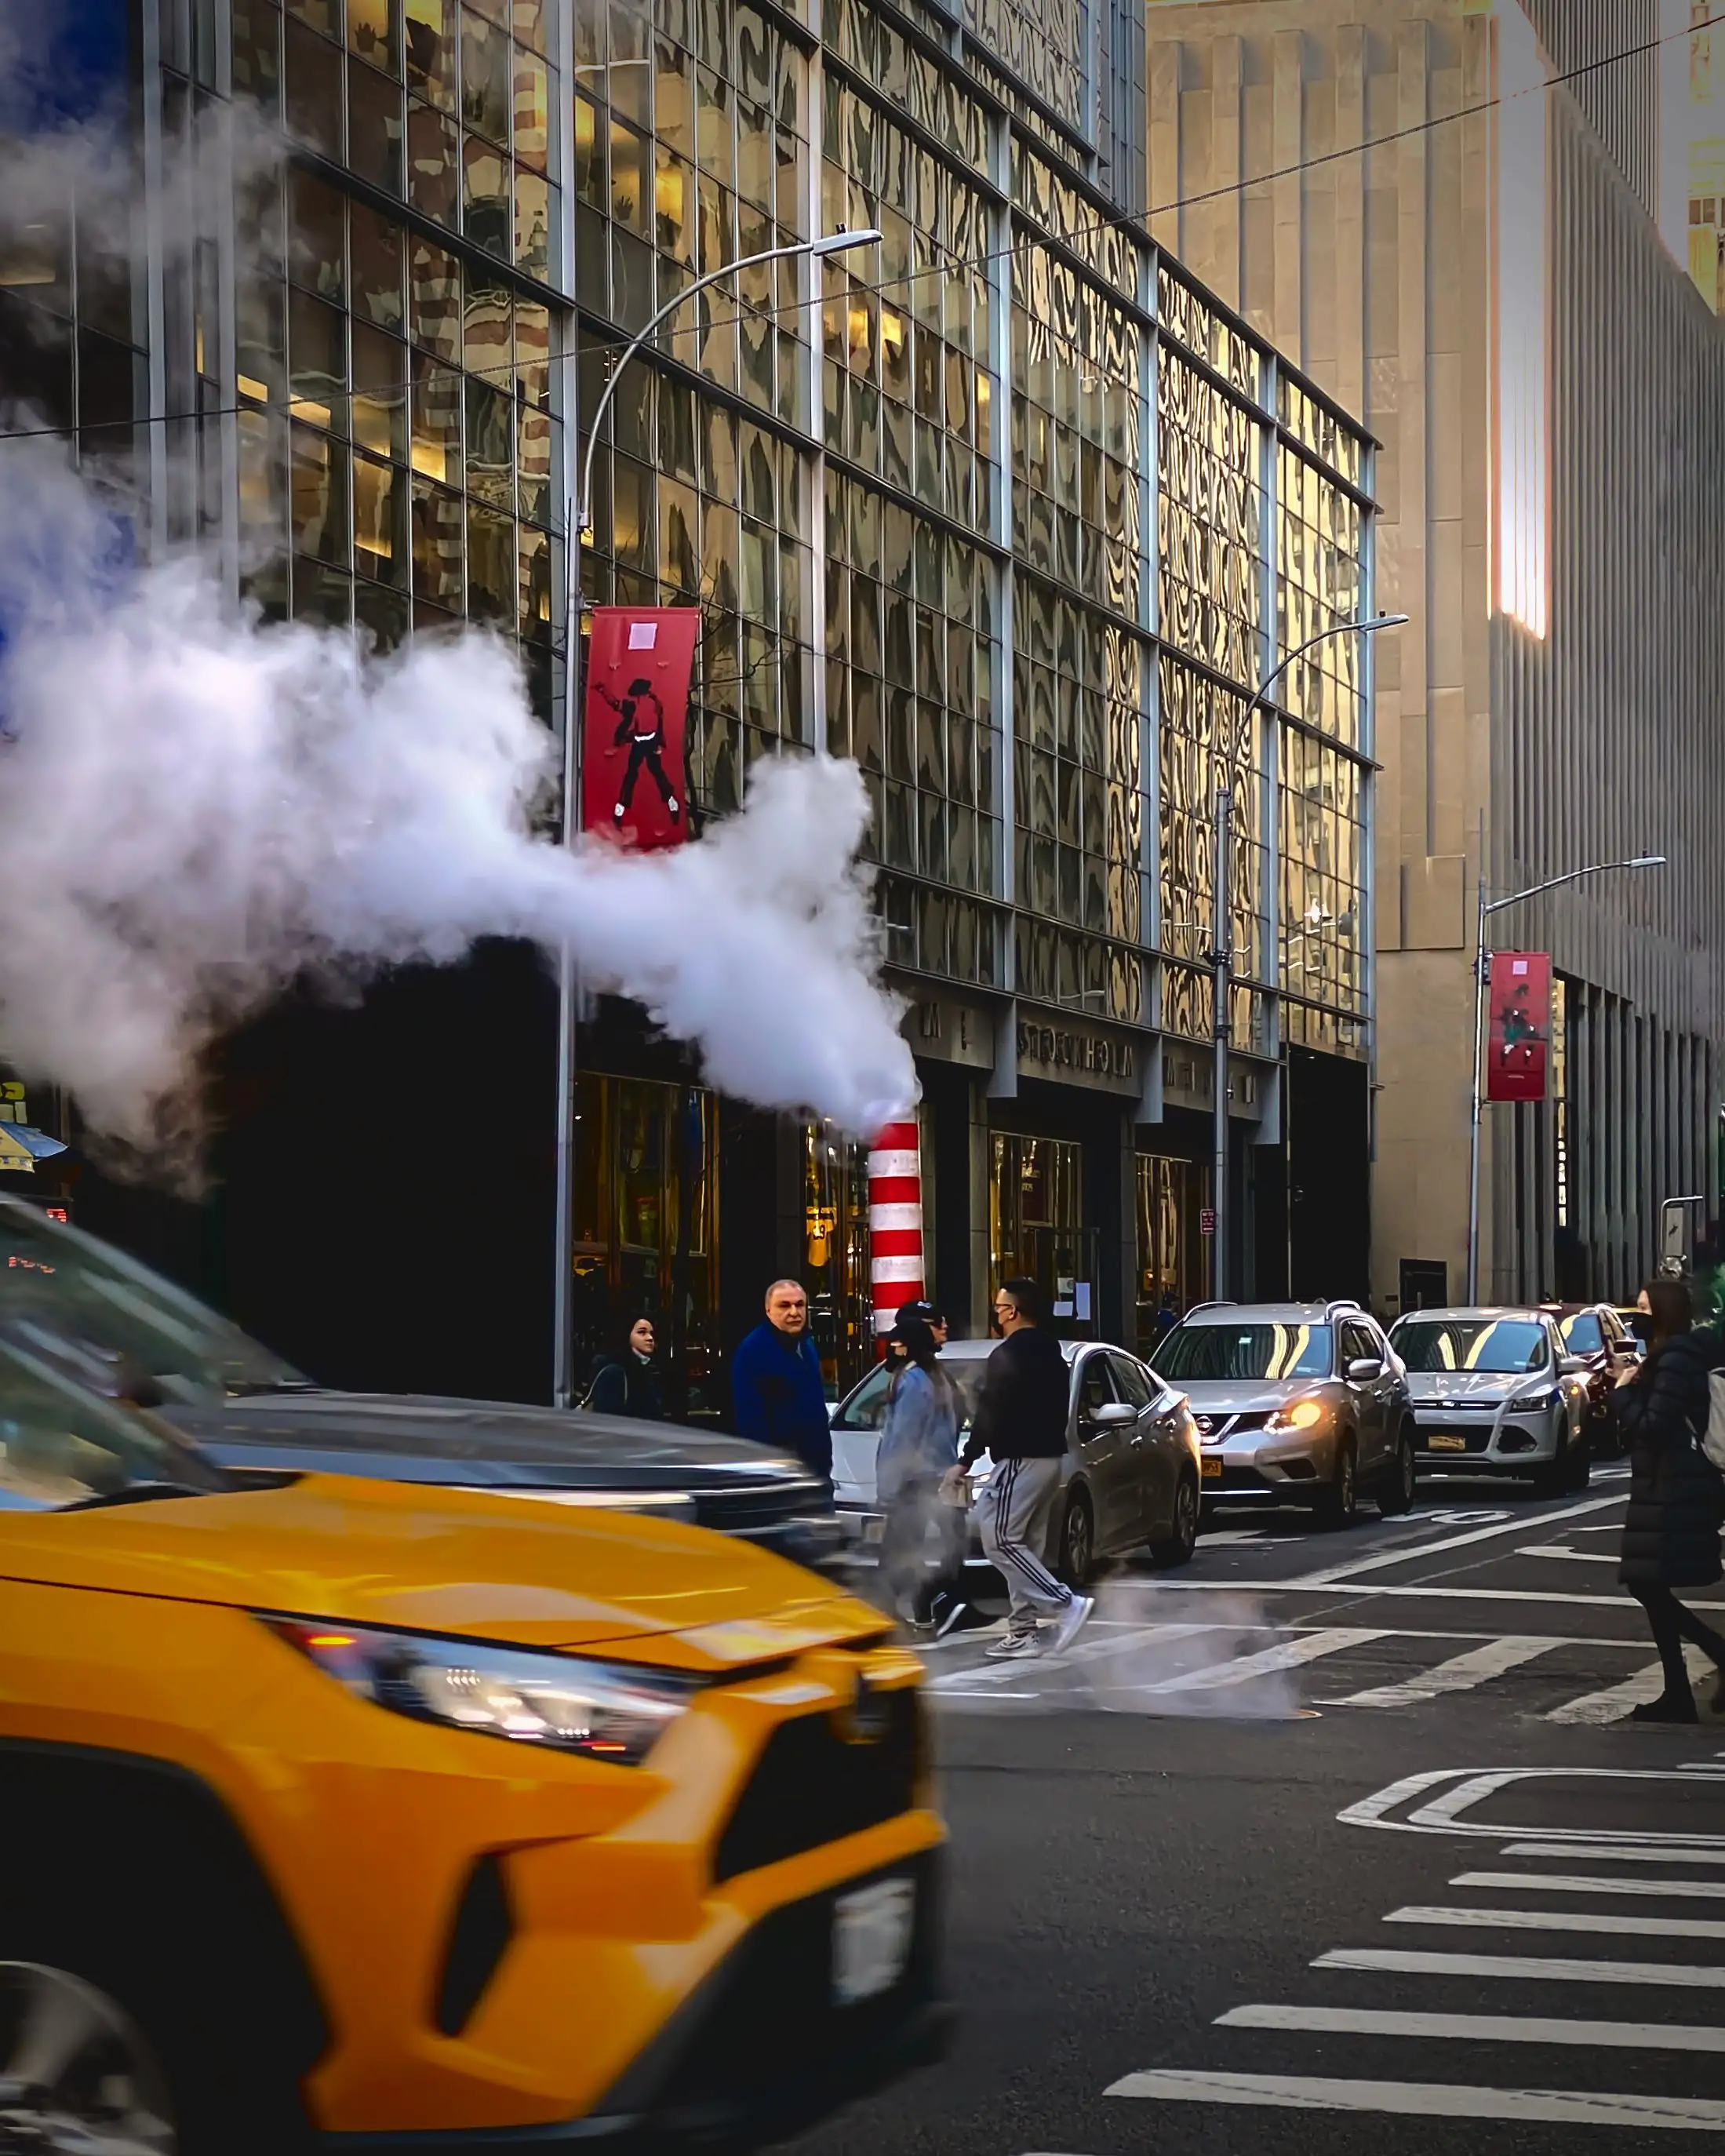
[837,242]
[1390,621]
[1648,861]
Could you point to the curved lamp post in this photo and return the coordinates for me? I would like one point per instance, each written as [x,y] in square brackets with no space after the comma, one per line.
[568,987]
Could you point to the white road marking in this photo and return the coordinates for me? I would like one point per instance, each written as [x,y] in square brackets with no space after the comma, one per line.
[989,1675]
[1619,1602]
[1524,1968]
[1708,1889]
[1606,1852]
[1575,1557]
[1477,2028]
[1513,1525]
[1307,1647]
[1595,1708]
[1461,1673]
[1561,1920]
[1425,2099]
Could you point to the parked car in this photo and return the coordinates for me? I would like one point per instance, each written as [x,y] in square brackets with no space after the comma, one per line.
[1131,1477]
[246,1409]
[1496,1392]
[350,1813]
[1598,1333]
[1300,1404]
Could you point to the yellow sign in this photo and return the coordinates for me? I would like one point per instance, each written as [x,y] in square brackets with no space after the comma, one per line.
[15,1159]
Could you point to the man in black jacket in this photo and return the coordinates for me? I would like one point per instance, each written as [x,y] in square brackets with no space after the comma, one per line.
[1020,1423]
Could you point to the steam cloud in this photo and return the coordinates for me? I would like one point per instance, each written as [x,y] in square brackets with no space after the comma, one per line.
[196,810]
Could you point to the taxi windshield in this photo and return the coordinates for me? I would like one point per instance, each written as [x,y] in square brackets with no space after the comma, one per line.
[1497,1347]
[1193,1354]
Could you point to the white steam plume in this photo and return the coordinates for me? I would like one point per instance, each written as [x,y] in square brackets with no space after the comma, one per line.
[196,810]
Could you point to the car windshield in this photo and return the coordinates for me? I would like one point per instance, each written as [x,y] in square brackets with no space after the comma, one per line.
[1583,1333]
[92,1346]
[1195,1354]
[89,1289]
[866,1407]
[1498,1347]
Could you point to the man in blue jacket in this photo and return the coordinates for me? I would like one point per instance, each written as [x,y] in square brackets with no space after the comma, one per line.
[776,1395]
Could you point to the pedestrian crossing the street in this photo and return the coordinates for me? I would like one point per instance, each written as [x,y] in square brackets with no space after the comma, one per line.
[1667,2003]
[1259,1669]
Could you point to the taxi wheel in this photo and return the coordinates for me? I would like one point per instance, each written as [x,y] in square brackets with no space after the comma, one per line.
[1338,1502]
[79,2073]
[1078,1541]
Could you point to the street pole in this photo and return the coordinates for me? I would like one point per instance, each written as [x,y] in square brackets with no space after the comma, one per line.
[1482,970]
[568,981]
[1222,926]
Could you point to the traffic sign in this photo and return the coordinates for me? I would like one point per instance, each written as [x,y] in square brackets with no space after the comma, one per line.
[1207,1220]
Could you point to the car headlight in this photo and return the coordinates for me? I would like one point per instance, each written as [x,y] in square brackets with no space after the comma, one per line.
[602,1710]
[1545,1399]
[1299,1415]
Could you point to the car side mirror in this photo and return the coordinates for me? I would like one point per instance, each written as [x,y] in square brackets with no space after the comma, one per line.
[1112,1414]
[1571,1366]
[1365,1367]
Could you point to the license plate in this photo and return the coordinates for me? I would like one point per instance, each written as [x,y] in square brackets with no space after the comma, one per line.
[1440,1442]
[872,1928]
[1212,1471]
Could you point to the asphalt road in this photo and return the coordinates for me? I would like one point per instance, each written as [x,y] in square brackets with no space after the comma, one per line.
[1334,1840]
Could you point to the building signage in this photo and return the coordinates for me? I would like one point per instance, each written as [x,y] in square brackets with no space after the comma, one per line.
[1519,1046]
[635,781]
[947,1031]
[1077,1056]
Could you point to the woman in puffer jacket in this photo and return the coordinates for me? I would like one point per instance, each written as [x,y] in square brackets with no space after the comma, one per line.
[1676,1508]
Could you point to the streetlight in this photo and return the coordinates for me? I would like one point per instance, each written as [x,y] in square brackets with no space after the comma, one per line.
[568,996]
[1222,953]
[1481,974]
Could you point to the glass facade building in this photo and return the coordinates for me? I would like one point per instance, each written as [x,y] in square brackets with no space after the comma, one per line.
[1004,506]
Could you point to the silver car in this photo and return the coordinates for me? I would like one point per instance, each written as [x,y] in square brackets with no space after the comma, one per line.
[1301,1404]
[1131,1477]
[1496,1392]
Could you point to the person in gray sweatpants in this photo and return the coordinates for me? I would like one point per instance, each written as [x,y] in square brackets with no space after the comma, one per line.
[1020,1423]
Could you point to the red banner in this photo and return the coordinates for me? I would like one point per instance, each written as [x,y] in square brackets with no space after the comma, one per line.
[634,767]
[1519,1046]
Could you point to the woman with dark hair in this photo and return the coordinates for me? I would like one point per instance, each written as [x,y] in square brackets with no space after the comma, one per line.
[919,1442]
[1677,1508]
[629,1382]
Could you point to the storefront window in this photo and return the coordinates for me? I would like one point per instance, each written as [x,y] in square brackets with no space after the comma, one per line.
[1037,1228]
[835,1254]
[646,1223]
[1170,1259]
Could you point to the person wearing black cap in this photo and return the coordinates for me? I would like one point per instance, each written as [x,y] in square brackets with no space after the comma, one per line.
[919,1443]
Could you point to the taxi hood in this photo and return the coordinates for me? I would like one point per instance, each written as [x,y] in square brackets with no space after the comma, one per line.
[502,1569]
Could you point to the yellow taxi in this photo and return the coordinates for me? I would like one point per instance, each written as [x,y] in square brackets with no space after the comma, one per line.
[345,1815]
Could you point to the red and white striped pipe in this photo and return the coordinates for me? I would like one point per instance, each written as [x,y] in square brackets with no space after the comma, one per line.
[895,1221]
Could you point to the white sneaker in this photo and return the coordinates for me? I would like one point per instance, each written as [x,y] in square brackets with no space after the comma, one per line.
[1073,1620]
[1015,1647]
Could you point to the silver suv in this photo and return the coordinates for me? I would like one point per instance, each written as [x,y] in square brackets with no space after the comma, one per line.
[1301,1404]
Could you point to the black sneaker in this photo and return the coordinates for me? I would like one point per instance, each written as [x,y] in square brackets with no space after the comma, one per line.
[1669,1706]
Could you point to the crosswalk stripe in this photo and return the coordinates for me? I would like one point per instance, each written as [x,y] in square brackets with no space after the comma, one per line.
[1706,1890]
[1477,2028]
[1308,1647]
[1425,2099]
[992,1674]
[1608,1853]
[1536,1968]
[1595,1709]
[1575,1557]
[1461,1673]
[1563,1920]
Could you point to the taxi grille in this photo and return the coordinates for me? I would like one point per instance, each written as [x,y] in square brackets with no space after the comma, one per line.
[812,1786]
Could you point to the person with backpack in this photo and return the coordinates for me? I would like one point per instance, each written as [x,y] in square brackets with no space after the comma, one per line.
[1677,1508]
[919,1443]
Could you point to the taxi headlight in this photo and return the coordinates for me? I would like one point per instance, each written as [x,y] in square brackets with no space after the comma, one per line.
[1299,1415]
[602,1710]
